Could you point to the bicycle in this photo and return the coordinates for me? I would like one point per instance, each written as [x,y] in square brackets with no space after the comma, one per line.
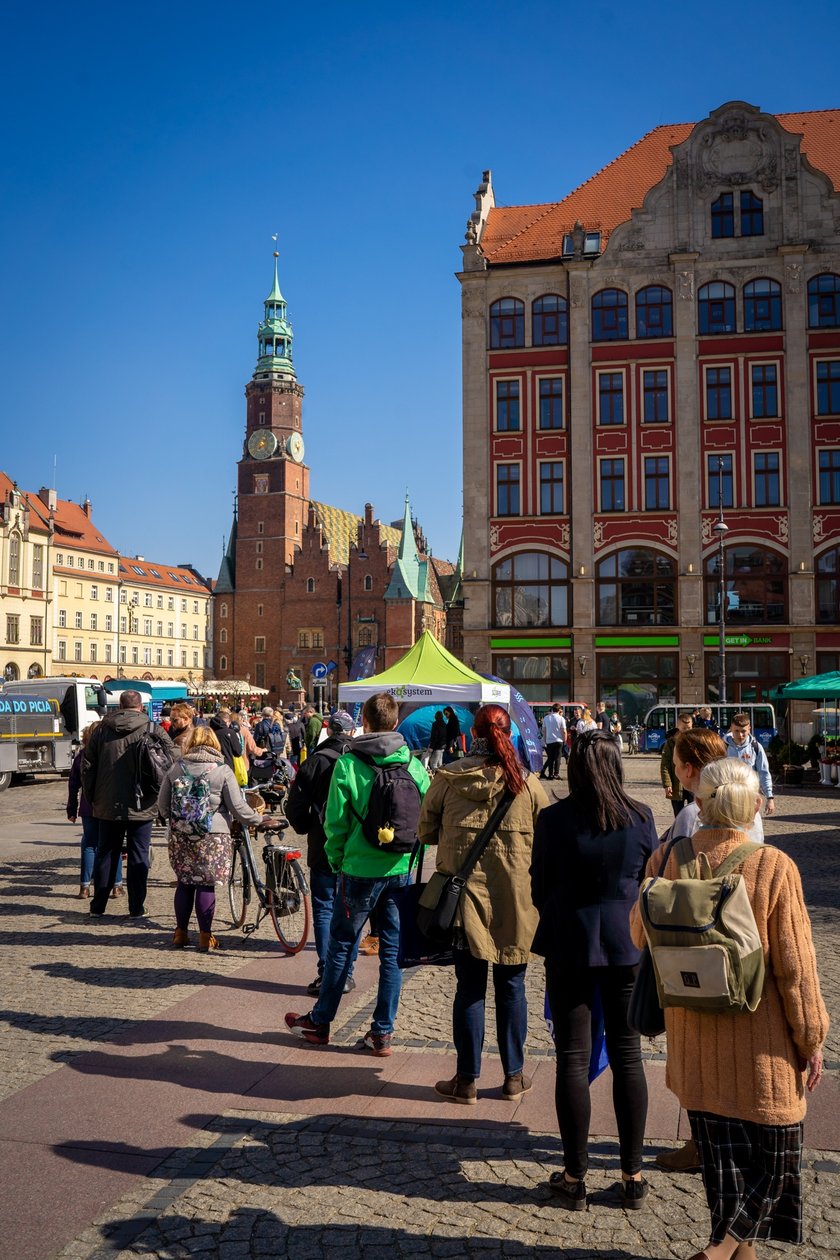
[283,896]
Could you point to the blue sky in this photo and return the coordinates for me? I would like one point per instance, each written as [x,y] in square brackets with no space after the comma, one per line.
[151,151]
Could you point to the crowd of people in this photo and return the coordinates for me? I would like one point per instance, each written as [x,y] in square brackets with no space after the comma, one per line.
[560,881]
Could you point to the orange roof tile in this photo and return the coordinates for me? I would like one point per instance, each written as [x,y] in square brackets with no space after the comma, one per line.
[514,234]
[171,576]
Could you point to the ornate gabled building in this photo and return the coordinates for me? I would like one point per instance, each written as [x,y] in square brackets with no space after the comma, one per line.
[663,339]
[304,585]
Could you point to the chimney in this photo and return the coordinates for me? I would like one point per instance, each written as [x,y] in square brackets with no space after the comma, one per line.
[86,507]
[368,514]
[49,498]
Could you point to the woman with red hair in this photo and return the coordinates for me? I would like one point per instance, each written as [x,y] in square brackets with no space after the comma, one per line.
[496,919]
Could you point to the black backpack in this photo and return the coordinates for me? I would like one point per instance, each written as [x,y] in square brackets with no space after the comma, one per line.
[153,761]
[390,824]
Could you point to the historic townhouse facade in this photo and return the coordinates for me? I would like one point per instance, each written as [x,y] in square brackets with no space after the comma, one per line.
[667,334]
[71,604]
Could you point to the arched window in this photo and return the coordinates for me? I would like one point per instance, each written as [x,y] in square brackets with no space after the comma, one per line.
[507,324]
[11,673]
[654,312]
[828,586]
[762,305]
[223,636]
[223,609]
[368,582]
[824,301]
[222,663]
[531,589]
[550,321]
[716,308]
[609,315]
[310,586]
[755,582]
[637,587]
[34,671]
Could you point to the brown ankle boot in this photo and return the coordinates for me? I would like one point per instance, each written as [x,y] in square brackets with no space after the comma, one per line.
[206,942]
[180,938]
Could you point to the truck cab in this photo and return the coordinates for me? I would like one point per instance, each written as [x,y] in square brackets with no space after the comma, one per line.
[41,723]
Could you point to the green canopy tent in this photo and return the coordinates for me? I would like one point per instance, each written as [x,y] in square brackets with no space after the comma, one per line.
[428,674]
[818,687]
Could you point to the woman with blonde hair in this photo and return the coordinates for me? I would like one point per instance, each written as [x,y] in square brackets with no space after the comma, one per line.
[181,727]
[198,798]
[495,921]
[742,1077]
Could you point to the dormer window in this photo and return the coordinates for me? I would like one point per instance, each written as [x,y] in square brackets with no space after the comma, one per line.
[568,246]
[591,244]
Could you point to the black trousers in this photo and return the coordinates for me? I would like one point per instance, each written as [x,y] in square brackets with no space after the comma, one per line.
[570,998]
[112,835]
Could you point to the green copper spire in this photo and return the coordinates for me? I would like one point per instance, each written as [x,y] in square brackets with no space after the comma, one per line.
[409,576]
[274,335]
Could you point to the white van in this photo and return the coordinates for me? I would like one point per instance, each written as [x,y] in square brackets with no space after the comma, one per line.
[41,723]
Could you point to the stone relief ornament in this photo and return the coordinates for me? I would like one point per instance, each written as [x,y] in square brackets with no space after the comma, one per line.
[738,151]
[791,162]
[494,538]
[633,244]
[782,528]
[598,535]
[564,535]
[819,524]
[706,531]
[671,533]
[685,285]
[683,170]
[793,276]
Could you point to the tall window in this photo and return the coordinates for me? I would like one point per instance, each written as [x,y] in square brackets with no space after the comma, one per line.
[657,483]
[828,586]
[655,391]
[637,586]
[507,324]
[531,589]
[507,490]
[716,308]
[12,628]
[550,321]
[824,301]
[37,567]
[654,312]
[36,631]
[718,393]
[719,476]
[551,402]
[14,560]
[767,484]
[612,485]
[752,215]
[762,305]
[829,465]
[828,388]
[310,586]
[611,398]
[765,393]
[507,406]
[551,488]
[755,583]
[723,216]
[609,315]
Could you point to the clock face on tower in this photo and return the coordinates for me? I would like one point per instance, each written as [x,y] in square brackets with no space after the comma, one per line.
[294,447]
[262,444]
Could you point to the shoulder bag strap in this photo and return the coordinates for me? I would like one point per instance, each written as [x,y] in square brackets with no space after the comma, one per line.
[737,856]
[484,837]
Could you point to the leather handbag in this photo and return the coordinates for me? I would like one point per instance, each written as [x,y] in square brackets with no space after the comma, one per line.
[644,1013]
[438,903]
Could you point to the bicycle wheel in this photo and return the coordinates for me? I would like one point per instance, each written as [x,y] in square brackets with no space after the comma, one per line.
[239,889]
[289,907]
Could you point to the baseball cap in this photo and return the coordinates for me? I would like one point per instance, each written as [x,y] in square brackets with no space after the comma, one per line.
[341,721]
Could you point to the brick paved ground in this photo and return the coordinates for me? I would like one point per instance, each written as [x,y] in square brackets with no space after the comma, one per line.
[258,1183]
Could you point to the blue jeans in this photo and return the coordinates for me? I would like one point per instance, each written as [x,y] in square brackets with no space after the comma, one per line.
[468,1013]
[90,840]
[322,885]
[355,898]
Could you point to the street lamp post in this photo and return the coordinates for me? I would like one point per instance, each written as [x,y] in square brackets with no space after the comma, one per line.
[721,529]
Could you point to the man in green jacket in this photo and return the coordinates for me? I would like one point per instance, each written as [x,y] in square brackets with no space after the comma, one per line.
[368,877]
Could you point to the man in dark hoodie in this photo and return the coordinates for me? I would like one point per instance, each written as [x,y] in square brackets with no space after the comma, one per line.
[227,733]
[305,808]
[109,781]
[370,877]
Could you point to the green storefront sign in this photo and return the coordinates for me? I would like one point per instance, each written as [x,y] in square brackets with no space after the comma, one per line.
[536,644]
[738,640]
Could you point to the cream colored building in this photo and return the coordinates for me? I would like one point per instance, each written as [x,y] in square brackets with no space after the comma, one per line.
[71,604]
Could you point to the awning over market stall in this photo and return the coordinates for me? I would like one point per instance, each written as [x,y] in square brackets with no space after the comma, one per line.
[428,674]
[818,687]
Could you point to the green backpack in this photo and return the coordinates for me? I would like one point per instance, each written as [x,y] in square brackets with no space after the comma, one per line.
[702,934]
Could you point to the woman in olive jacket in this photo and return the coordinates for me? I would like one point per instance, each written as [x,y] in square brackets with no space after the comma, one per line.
[496,919]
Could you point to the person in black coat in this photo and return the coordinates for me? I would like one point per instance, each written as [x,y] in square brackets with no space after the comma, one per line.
[590,852]
[227,734]
[305,807]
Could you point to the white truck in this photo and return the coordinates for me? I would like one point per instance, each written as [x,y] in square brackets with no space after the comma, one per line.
[41,723]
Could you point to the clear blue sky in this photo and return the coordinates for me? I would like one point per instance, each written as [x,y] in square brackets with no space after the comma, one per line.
[150,151]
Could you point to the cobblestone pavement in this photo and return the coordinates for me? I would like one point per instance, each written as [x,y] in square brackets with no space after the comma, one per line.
[255,1184]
